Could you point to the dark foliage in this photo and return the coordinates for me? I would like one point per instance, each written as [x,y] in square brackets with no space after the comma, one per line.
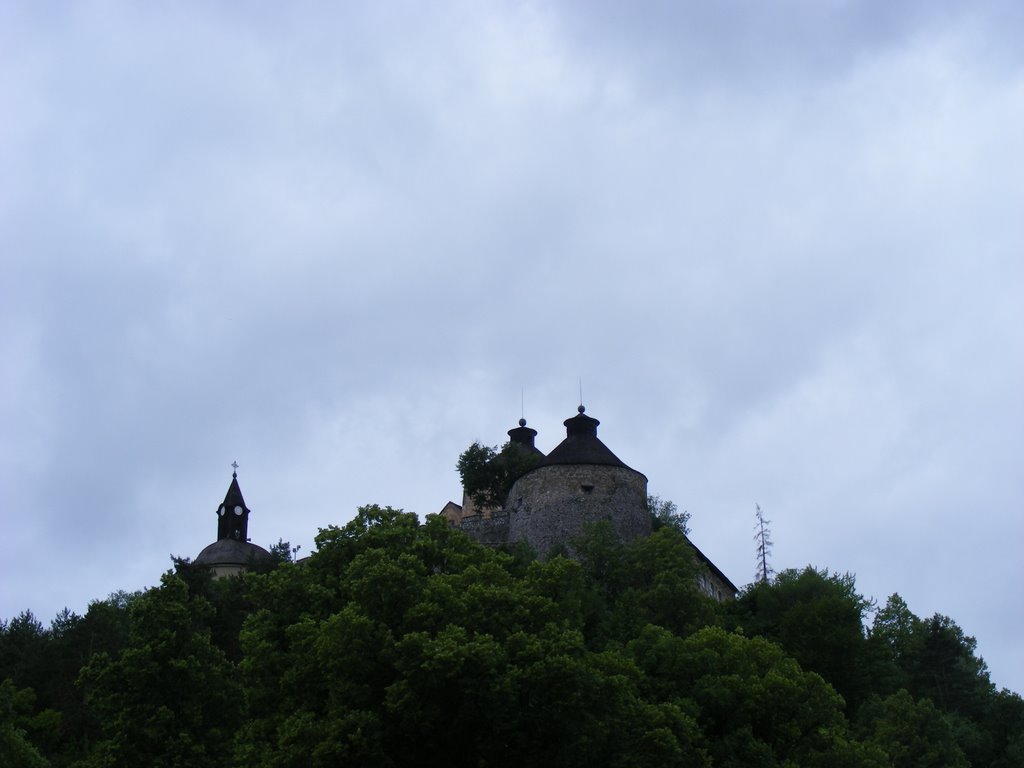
[488,474]
[398,643]
[665,513]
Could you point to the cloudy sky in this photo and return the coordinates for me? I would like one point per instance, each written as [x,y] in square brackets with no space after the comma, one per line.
[780,243]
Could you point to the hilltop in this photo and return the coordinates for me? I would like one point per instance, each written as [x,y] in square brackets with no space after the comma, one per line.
[399,643]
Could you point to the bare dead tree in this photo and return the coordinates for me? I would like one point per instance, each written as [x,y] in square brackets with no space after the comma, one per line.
[763,537]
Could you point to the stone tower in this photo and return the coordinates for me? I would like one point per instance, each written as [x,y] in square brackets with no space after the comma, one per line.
[579,483]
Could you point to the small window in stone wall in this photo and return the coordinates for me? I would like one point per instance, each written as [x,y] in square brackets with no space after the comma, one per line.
[586,488]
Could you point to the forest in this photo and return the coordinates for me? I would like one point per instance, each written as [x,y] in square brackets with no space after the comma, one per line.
[401,643]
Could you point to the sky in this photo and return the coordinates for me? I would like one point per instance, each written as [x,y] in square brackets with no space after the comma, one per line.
[779,247]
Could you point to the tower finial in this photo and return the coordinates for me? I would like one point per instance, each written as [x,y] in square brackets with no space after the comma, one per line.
[234,466]
[581,409]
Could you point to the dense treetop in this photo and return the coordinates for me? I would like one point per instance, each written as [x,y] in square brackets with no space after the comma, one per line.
[399,643]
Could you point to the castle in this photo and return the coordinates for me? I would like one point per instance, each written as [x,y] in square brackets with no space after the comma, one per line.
[558,495]
[579,483]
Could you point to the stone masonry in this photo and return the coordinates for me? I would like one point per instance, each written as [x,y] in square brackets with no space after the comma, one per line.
[552,505]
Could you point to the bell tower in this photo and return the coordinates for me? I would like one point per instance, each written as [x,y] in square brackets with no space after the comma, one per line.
[233,515]
[231,553]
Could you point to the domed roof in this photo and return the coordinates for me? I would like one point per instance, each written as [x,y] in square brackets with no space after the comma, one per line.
[231,552]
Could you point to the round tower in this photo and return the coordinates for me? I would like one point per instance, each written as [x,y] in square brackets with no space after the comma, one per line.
[579,483]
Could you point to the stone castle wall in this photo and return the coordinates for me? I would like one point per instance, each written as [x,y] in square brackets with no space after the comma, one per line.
[491,531]
[552,504]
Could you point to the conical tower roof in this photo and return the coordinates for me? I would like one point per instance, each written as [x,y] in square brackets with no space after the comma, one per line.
[581,444]
[233,498]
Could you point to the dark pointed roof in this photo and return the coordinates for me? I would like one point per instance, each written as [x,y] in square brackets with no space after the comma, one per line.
[581,444]
[233,514]
[233,498]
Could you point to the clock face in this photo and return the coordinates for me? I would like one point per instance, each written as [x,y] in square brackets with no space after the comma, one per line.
[221,511]
[238,510]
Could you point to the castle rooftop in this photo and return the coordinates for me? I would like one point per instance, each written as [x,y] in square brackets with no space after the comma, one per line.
[581,444]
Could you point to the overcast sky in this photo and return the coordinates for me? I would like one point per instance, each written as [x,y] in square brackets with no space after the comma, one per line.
[780,243]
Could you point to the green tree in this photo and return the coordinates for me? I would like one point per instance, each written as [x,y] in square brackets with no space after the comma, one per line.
[1005,724]
[895,626]
[894,639]
[665,513]
[23,643]
[16,750]
[945,668]
[661,585]
[914,734]
[399,643]
[430,649]
[488,474]
[754,704]
[35,660]
[935,661]
[169,698]
[817,617]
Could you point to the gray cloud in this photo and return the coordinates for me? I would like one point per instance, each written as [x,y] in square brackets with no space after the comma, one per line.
[779,245]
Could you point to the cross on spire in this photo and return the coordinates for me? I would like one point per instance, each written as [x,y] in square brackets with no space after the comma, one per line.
[234,466]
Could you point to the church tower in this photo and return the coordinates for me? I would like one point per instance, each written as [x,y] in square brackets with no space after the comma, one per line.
[232,552]
[233,515]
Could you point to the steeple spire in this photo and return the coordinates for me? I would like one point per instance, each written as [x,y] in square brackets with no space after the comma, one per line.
[233,515]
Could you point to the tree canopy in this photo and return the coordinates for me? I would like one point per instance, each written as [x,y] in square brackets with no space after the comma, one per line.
[488,473]
[405,643]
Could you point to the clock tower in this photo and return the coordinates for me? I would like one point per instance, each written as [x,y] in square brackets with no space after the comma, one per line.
[232,552]
[233,515]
